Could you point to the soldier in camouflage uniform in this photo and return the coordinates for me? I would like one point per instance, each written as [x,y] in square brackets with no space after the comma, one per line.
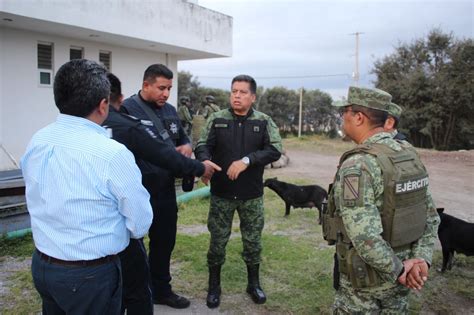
[184,114]
[394,112]
[210,106]
[380,214]
[242,141]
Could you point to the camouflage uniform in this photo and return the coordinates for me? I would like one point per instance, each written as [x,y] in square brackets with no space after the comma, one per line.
[209,109]
[185,118]
[219,223]
[363,224]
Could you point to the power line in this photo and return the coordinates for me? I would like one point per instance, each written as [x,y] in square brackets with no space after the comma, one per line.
[283,77]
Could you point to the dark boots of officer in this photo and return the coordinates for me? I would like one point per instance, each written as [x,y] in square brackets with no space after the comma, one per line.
[253,287]
[214,293]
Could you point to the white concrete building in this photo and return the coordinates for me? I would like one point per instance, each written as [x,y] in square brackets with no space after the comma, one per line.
[37,37]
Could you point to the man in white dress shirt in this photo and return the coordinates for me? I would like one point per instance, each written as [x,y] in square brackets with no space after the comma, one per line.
[84,196]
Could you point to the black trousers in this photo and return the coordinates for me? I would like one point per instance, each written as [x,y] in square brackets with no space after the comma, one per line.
[136,292]
[162,235]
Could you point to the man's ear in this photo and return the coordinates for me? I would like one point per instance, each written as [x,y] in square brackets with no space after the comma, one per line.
[359,118]
[103,108]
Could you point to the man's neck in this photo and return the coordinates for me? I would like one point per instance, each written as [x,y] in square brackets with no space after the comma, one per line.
[369,133]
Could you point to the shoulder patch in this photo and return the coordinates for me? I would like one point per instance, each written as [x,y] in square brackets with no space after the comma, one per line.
[351,187]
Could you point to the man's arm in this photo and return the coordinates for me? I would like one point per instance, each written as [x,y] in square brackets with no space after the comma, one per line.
[423,248]
[161,154]
[206,142]
[133,201]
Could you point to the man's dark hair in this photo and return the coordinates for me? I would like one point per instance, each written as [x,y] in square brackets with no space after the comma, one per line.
[248,79]
[115,88]
[79,87]
[376,117]
[155,71]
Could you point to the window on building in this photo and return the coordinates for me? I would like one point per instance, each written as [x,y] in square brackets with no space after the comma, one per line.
[45,63]
[105,57]
[76,53]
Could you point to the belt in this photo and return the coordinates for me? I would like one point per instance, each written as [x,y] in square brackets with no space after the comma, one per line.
[81,263]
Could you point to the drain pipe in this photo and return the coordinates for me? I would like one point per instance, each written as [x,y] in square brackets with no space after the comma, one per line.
[198,193]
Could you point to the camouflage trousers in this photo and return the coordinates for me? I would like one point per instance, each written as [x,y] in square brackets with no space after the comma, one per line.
[387,298]
[219,223]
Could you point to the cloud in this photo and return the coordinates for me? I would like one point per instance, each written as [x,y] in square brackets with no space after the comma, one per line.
[291,43]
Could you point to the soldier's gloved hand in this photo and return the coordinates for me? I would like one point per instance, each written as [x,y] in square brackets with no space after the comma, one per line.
[235,169]
[209,169]
[185,150]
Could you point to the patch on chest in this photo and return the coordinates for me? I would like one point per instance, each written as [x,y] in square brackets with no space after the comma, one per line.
[221,125]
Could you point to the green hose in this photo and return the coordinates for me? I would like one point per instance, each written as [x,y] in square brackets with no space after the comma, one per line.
[198,193]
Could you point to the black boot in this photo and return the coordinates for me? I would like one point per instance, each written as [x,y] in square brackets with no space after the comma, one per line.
[214,293]
[253,287]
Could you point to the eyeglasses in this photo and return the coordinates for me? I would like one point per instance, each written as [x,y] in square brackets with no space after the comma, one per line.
[348,109]
[344,110]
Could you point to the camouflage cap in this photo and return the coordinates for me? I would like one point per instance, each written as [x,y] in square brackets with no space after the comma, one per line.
[371,98]
[184,99]
[394,110]
[210,98]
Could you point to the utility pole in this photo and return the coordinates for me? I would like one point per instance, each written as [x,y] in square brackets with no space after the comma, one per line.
[355,75]
[301,111]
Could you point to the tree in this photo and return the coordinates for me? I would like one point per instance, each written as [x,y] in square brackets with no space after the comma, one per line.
[191,87]
[318,111]
[282,105]
[433,80]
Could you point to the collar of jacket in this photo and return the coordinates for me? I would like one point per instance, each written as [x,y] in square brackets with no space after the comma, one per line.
[249,113]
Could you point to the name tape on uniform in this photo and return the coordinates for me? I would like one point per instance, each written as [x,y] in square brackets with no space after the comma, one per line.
[411,185]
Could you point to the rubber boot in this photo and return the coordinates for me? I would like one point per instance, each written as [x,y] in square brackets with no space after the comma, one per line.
[253,287]
[214,293]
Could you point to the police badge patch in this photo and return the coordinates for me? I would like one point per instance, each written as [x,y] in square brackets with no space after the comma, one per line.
[173,128]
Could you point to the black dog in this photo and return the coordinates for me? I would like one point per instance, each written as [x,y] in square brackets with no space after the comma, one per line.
[298,196]
[455,235]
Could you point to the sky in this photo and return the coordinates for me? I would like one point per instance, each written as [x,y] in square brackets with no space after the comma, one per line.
[311,43]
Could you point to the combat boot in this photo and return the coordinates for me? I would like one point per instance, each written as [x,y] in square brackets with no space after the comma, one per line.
[214,293]
[253,287]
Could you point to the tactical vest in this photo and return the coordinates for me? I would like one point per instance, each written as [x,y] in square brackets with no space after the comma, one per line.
[403,213]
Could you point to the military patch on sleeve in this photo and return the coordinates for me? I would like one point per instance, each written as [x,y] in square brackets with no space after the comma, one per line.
[351,189]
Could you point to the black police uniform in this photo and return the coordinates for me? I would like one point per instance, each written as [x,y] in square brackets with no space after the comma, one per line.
[146,145]
[160,183]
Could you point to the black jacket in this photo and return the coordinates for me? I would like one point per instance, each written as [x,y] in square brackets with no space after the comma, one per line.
[146,145]
[227,138]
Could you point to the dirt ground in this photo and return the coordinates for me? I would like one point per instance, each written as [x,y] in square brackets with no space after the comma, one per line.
[451,176]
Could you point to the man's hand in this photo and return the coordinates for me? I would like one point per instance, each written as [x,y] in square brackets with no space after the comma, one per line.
[408,265]
[235,169]
[209,169]
[417,276]
[185,150]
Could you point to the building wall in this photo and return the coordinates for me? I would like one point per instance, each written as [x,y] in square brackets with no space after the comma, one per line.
[25,106]
[176,26]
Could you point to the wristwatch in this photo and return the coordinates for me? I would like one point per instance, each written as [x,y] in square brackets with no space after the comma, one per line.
[246,160]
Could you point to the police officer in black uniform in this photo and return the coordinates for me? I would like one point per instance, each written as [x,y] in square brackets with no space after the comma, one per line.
[150,104]
[145,144]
